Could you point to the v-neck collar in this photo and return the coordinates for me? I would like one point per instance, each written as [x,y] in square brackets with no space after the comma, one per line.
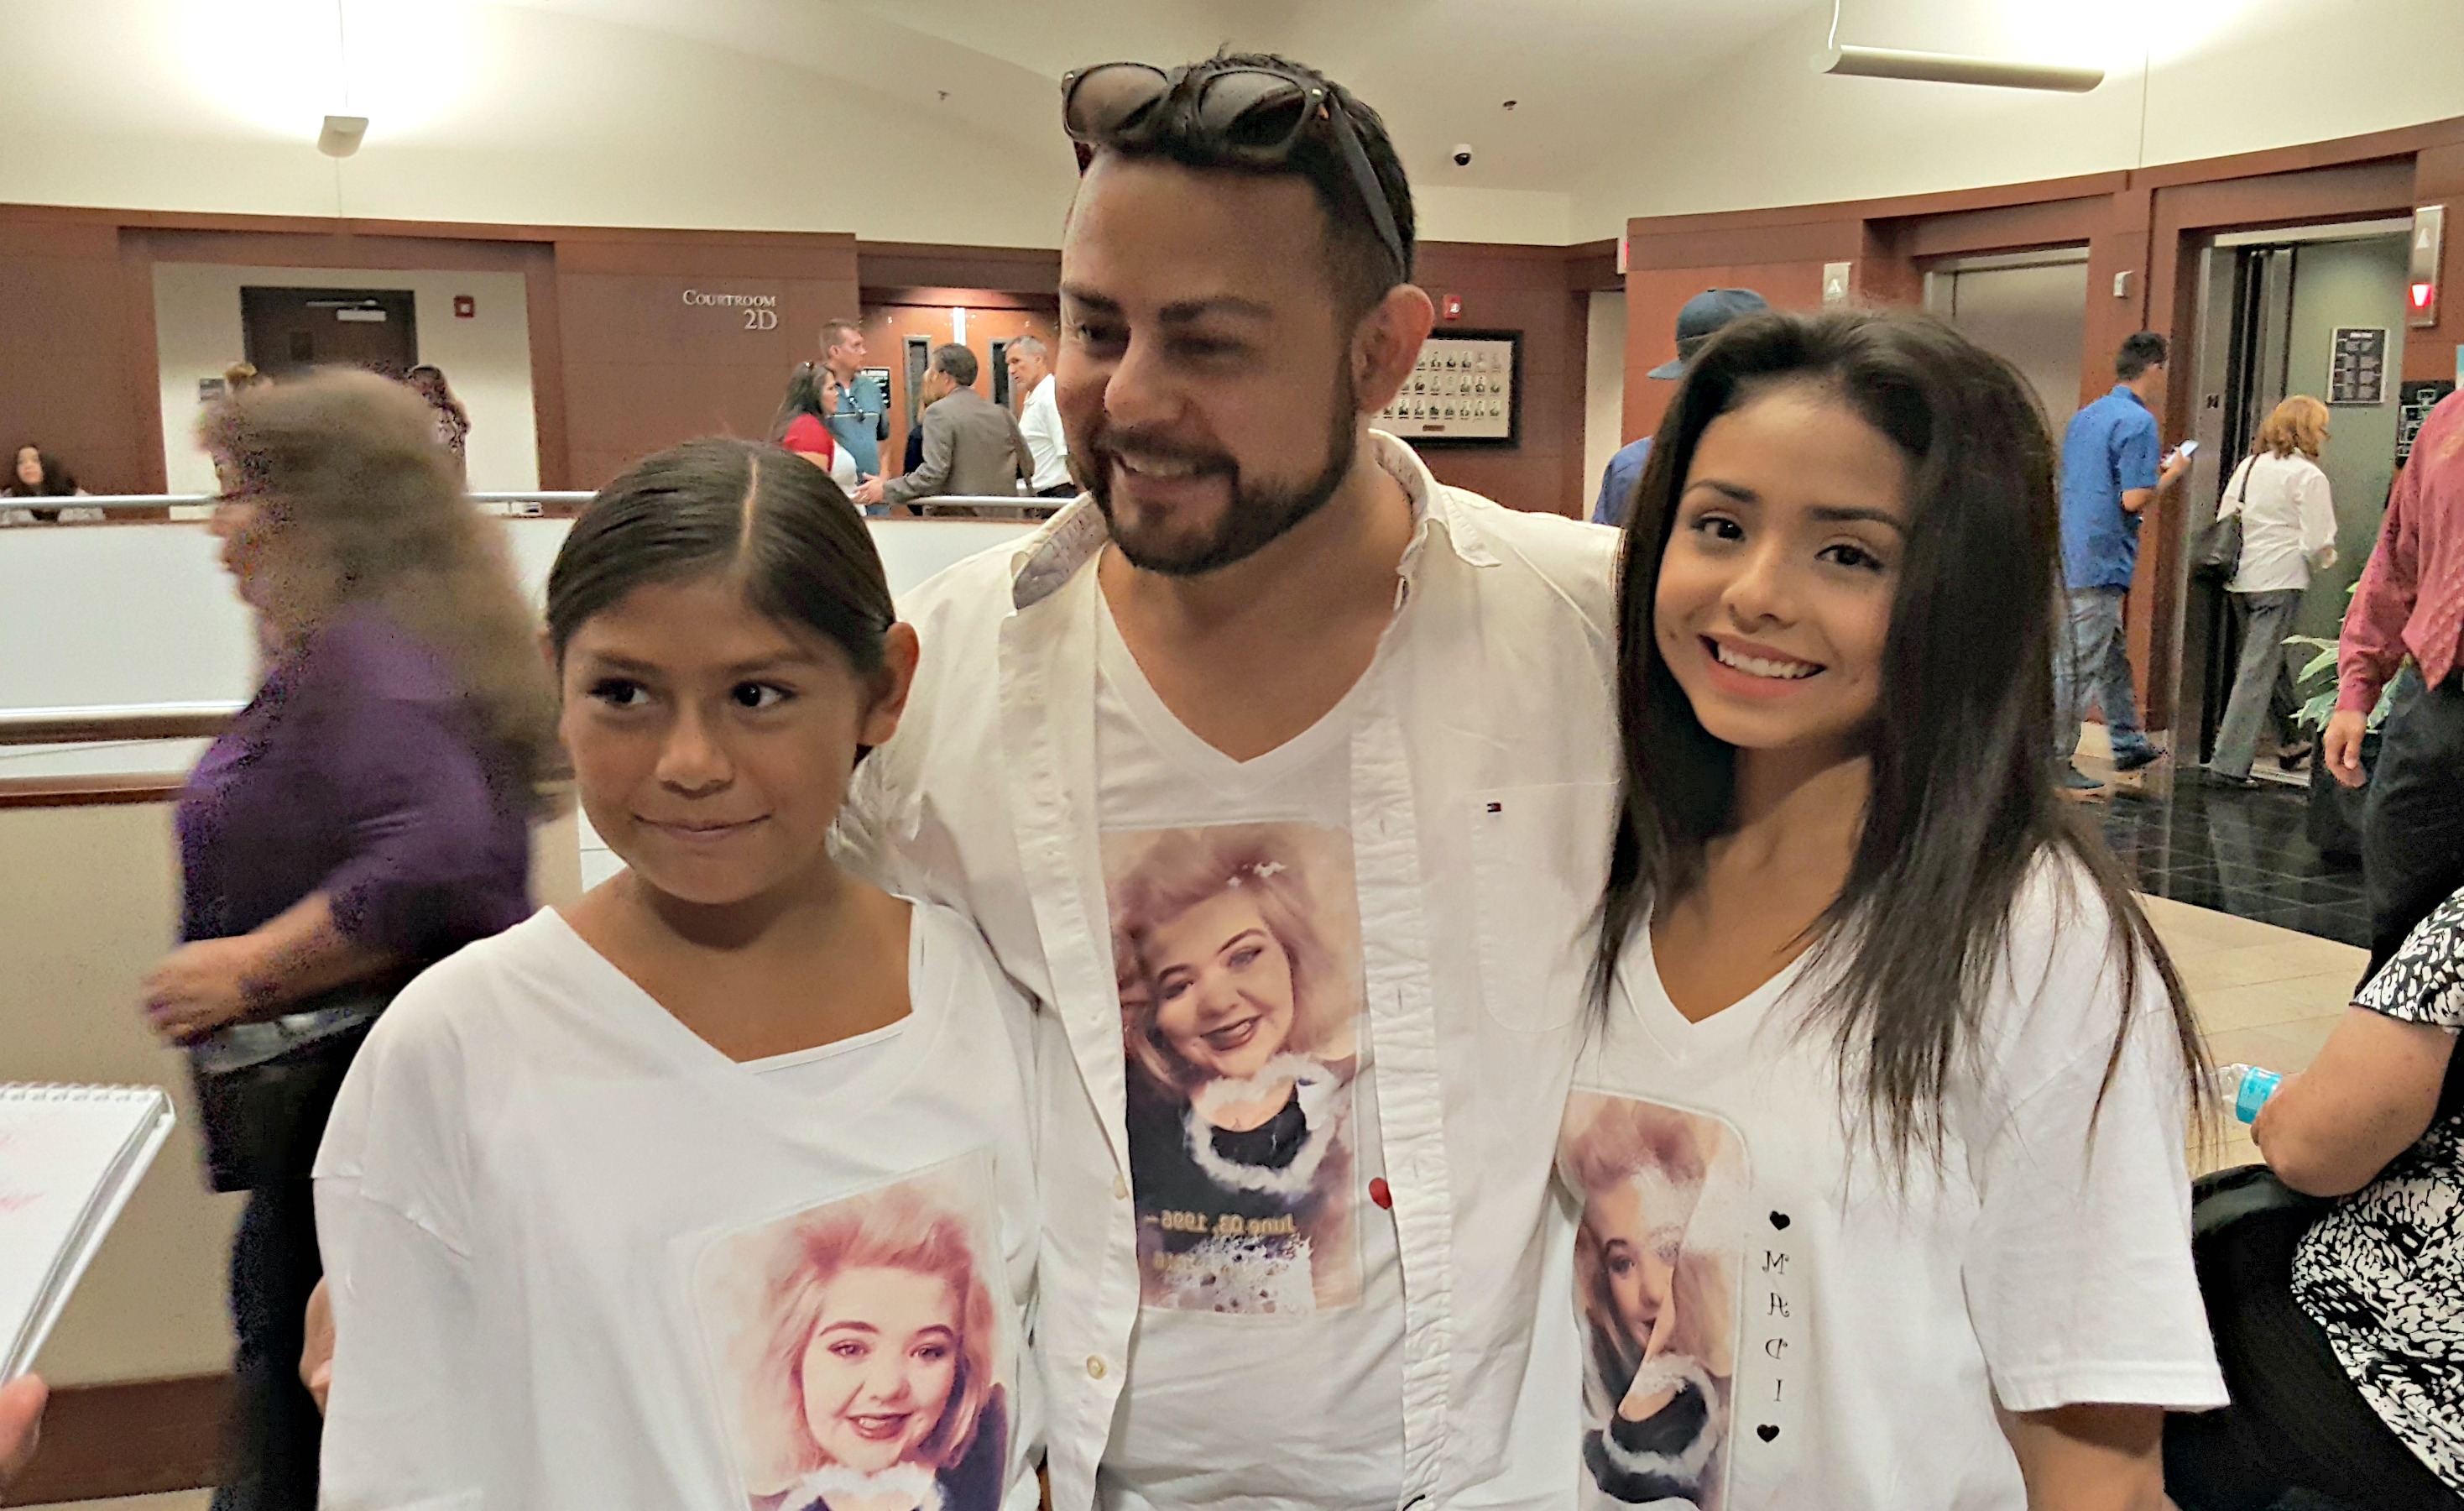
[1655,1013]
[1181,745]
[608,989]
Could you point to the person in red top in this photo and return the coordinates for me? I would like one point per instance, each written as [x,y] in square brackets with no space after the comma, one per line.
[804,419]
[2410,601]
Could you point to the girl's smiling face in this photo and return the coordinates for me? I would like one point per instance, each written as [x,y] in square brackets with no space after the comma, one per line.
[1775,590]
[712,744]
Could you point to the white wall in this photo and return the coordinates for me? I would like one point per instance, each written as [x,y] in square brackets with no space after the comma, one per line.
[2227,76]
[487,357]
[139,615]
[1603,388]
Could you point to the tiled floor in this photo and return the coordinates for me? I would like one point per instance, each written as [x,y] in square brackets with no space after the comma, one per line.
[2246,852]
[2264,995]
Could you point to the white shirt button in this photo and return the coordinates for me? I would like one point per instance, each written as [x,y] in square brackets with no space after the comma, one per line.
[1094,1366]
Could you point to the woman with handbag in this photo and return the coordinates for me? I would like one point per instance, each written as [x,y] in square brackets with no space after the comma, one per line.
[365,816]
[2288,530]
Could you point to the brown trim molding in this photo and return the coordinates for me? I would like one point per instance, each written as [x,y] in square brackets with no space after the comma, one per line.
[86,728]
[88,792]
[915,265]
[135,1438]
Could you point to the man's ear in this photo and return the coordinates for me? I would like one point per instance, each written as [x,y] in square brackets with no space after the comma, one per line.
[1386,344]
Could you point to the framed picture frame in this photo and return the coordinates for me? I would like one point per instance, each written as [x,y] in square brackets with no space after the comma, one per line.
[1465,390]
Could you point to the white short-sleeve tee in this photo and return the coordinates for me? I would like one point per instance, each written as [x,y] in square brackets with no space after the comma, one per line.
[1270,1281]
[580,1258]
[1770,1321]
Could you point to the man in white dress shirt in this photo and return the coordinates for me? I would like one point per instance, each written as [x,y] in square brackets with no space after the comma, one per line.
[1280,775]
[1039,419]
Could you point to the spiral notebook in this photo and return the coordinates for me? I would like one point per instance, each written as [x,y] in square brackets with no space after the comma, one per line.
[69,1157]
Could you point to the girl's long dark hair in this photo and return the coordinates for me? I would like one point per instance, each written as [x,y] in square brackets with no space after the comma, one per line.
[1963,805]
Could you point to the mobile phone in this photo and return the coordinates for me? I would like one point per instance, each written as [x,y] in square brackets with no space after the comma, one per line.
[2187,450]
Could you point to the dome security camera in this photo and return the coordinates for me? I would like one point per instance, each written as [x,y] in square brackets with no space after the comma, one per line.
[1463,154]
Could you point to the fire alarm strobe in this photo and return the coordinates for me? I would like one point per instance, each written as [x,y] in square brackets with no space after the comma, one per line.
[1450,307]
[465,307]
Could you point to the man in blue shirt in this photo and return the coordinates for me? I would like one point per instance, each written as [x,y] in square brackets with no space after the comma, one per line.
[2112,468]
[1696,325]
[863,418]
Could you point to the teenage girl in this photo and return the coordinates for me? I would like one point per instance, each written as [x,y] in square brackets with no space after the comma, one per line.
[715,1187]
[1851,933]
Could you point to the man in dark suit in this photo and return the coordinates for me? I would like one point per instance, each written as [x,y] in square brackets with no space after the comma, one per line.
[972,446]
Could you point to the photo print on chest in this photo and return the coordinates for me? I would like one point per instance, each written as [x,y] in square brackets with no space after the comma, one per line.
[1237,952]
[1660,1279]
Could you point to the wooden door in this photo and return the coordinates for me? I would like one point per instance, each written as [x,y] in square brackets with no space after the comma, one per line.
[289,331]
[888,329]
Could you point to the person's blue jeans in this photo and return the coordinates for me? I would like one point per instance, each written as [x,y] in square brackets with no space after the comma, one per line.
[2092,667]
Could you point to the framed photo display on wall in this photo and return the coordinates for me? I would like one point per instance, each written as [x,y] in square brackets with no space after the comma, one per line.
[1465,390]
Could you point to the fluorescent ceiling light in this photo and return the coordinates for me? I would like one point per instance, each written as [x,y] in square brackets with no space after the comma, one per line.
[1952,67]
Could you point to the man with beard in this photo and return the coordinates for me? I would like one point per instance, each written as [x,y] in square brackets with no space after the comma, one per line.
[1267,623]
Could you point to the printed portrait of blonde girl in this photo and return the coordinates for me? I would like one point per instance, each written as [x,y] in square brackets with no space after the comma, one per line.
[1656,1296]
[1240,1005]
[877,1382]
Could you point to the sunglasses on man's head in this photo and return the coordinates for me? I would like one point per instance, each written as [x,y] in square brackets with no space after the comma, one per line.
[1242,112]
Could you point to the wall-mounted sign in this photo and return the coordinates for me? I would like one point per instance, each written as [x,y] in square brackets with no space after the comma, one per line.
[760,311]
[1461,392]
[208,390]
[2414,403]
[2357,365]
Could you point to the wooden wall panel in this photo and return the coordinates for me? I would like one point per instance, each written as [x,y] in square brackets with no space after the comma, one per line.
[1652,297]
[643,362]
[2430,351]
[1521,289]
[65,326]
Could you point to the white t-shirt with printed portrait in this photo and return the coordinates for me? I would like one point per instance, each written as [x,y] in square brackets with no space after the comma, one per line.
[1272,1285]
[1770,1321]
[580,1258]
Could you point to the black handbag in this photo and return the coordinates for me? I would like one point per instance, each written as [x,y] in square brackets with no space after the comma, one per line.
[2218,556]
[265,1089]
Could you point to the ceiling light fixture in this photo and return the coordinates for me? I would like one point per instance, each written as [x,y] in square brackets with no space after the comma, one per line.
[1949,68]
[343,135]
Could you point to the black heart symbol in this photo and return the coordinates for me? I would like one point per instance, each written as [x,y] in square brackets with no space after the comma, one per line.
[1779,1219]
[1766,1432]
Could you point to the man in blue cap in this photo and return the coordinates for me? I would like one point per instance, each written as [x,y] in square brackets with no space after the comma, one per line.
[1701,318]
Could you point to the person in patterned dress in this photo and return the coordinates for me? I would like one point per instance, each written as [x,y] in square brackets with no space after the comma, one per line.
[2347,1365]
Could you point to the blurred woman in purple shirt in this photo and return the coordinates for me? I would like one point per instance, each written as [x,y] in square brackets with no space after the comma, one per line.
[366,814]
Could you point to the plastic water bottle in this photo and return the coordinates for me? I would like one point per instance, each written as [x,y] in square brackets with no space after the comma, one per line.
[2247,1087]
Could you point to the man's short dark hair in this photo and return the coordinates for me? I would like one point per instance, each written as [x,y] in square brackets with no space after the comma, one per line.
[958,362]
[1362,269]
[2139,351]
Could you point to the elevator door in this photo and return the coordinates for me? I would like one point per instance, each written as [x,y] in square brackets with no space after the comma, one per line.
[2030,309]
[2270,306]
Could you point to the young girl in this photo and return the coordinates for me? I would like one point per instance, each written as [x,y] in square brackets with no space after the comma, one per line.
[715,1189]
[1849,918]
